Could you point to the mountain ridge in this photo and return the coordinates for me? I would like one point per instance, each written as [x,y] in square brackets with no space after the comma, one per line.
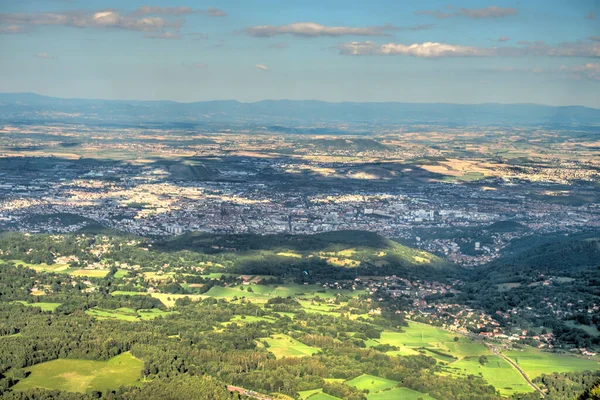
[31,106]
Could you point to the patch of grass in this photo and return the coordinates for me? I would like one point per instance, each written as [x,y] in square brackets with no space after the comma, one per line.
[285,346]
[371,382]
[497,372]
[92,273]
[304,394]
[83,375]
[43,306]
[535,362]
[121,273]
[323,396]
[399,393]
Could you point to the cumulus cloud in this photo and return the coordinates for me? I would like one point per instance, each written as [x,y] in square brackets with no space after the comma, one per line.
[474,13]
[262,67]
[313,29]
[439,50]
[426,50]
[163,35]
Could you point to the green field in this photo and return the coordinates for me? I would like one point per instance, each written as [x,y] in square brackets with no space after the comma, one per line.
[307,393]
[497,372]
[371,382]
[126,314]
[417,336]
[83,375]
[285,346]
[535,362]
[57,268]
[399,393]
[323,396]
[43,306]
[121,273]
[91,273]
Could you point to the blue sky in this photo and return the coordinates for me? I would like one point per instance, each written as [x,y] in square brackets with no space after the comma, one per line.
[428,51]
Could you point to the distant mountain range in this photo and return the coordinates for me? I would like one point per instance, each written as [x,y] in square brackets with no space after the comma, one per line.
[26,107]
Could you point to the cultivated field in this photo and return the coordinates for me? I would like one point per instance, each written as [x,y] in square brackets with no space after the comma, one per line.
[83,375]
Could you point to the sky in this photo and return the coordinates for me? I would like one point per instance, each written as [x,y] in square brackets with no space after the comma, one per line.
[456,51]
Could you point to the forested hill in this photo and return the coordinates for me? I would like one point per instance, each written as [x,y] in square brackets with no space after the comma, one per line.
[559,256]
[29,106]
[340,254]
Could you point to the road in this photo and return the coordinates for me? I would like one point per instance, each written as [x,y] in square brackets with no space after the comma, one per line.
[516,366]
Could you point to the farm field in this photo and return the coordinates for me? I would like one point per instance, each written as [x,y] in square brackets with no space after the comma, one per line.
[42,305]
[497,372]
[284,346]
[83,375]
[322,396]
[400,393]
[92,273]
[371,382]
[535,362]
[126,314]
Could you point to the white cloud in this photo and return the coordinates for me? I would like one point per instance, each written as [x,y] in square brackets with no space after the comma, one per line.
[474,13]
[43,55]
[313,29]
[439,50]
[99,19]
[426,50]
[503,39]
[262,67]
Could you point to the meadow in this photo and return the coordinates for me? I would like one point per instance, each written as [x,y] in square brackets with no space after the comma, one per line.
[536,362]
[126,314]
[44,306]
[496,371]
[83,375]
[284,346]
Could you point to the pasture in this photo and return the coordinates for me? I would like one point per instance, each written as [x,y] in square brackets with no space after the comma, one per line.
[399,393]
[535,362]
[371,382]
[497,372]
[83,375]
[126,314]
[91,273]
[42,305]
[284,346]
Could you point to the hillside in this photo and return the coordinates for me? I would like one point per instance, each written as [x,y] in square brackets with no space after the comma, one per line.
[340,254]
